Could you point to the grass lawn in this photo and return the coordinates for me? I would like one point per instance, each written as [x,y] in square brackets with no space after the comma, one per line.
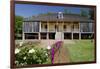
[81,50]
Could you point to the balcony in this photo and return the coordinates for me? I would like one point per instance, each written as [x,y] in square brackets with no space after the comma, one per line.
[52,30]
[76,30]
[43,30]
[67,30]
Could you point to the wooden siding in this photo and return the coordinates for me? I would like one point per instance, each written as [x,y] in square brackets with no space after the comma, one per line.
[76,27]
[68,27]
[52,27]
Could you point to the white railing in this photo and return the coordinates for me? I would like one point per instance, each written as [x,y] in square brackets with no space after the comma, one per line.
[52,30]
[75,30]
[43,30]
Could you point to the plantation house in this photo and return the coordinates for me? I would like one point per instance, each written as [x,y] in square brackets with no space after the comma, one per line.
[57,26]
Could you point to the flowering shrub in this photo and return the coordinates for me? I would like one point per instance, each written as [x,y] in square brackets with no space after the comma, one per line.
[31,55]
[55,48]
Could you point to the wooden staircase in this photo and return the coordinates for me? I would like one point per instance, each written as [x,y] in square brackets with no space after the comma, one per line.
[59,36]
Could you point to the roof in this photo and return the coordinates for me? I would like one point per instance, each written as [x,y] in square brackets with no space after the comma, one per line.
[53,17]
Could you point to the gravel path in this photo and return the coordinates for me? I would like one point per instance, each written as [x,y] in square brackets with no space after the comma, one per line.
[61,56]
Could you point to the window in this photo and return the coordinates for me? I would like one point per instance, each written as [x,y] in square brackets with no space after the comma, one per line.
[55,26]
[45,26]
[86,27]
[60,15]
[64,27]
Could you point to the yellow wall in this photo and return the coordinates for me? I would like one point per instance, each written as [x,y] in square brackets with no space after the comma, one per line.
[76,27]
[43,25]
[69,26]
[60,26]
[52,26]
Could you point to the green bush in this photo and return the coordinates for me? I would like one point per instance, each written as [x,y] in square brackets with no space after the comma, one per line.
[31,55]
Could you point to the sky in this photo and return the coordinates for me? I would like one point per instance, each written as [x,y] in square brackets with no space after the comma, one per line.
[27,10]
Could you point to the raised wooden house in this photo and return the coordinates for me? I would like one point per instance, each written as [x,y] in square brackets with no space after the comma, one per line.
[57,26]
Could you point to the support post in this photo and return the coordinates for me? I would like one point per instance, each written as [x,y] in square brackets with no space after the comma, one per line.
[47,30]
[23,34]
[79,31]
[72,35]
[40,26]
[57,27]
[39,36]
[63,31]
[32,26]
[80,36]
[23,37]
[72,30]
[47,35]
[47,26]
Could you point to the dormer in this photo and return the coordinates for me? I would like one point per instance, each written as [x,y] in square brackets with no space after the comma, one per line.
[60,15]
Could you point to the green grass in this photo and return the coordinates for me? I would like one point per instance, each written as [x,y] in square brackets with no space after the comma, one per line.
[81,50]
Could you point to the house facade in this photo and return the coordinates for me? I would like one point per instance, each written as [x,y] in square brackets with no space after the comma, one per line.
[58,26]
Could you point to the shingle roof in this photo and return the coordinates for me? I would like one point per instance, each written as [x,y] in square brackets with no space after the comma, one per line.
[53,17]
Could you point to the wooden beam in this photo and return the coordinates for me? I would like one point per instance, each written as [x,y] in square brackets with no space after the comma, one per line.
[47,36]
[23,36]
[40,26]
[39,36]
[79,31]
[47,26]
[57,28]
[72,29]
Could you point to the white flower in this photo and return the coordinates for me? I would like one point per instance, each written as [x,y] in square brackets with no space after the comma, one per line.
[22,63]
[31,51]
[16,62]
[21,43]
[46,54]
[24,58]
[48,47]
[17,50]
[47,59]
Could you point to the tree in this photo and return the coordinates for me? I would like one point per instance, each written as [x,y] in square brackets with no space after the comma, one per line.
[48,13]
[18,26]
[91,13]
[67,11]
[84,12]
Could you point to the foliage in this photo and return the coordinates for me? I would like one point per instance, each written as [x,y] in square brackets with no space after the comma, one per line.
[67,11]
[26,55]
[84,13]
[18,26]
[48,13]
[91,13]
[88,13]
